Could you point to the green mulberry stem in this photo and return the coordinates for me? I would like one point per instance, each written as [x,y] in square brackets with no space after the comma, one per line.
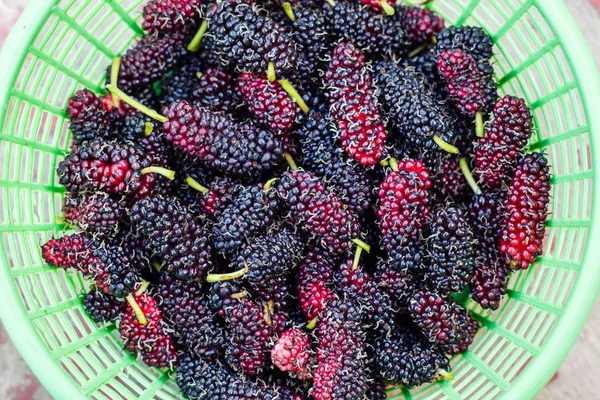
[268,185]
[445,145]
[148,127]
[332,3]
[114,78]
[197,39]
[479,131]
[416,51]
[156,265]
[137,310]
[356,257]
[362,244]
[136,104]
[389,10]
[445,374]
[239,295]
[287,8]
[271,71]
[194,184]
[291,90]
[228,276]
[159,170]
[464,167]
[393,164]
[313,322]
[142,288]
[290,161]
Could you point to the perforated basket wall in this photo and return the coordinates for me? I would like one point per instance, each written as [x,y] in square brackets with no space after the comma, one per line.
[60,46]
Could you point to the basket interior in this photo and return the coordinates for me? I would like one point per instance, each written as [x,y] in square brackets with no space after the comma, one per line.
[72,48]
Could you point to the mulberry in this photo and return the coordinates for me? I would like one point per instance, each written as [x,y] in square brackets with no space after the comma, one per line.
[526,210]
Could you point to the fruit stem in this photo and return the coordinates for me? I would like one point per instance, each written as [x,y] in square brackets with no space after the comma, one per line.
[291,90]
[393,164]
[114,78]
[271,71]
[287,8]
[416,51]
[385,163]
[290,161]
[239,295]
[362,244]
[136,104]
[227,276]
[194,184]
[267,314]
[356,257]
[332,3]
[445,145]
[61,220]
[137,310]
[199,75]
[156,265]
[268,185]
[197,39]
[389,10]
[464,167]
[142,288]
[479,131]
[313,322]
[445,374]
[148,127]
[159,170]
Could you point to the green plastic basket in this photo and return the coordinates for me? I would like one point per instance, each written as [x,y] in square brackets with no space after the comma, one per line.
[59,46]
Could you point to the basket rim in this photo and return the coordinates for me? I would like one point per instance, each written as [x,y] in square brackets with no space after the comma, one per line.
[534,376]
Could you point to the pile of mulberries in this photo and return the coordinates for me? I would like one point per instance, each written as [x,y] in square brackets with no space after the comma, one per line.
[292,200]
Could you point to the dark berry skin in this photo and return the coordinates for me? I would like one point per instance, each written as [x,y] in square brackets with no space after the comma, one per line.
[403,210]
[200,379]
[451,258]
[186,311]
[407,358]
[442,321]
[353,106]
[180,84]
[416,115]
[175,235]
[389,292]
[487,212]
[110,167]
[270,105]
[169,16]
[526,210]
[474,40]
[420,24]
[102,261]
[488,285]
[273,254]
[218,141]
[233,28]
[311,34]
[102,307]
[251,211]
[96,213]
[249,336]
[318,211]
[323,156]
[150,340]
[214,90]
[505,138]
[88,119]
[469,82]
[340,373]
[148,60]
[373,33]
